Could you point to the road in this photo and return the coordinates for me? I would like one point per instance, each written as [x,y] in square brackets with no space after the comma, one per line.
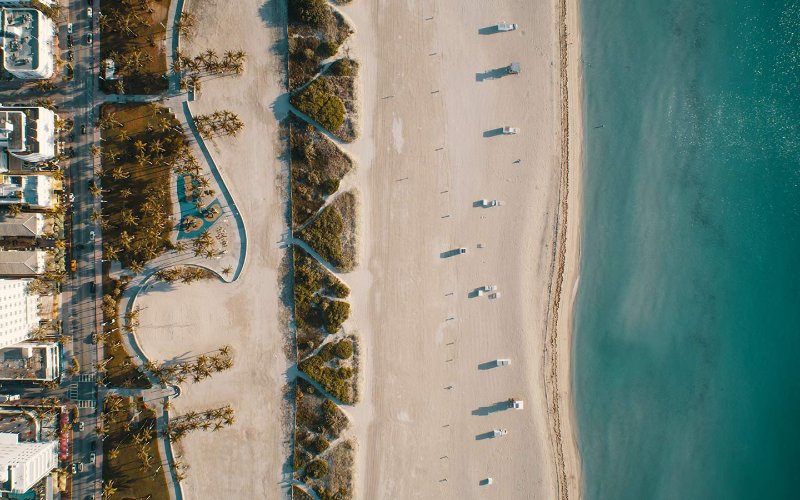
[82,314]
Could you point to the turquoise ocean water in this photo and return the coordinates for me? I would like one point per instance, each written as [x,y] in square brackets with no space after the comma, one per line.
[687,354]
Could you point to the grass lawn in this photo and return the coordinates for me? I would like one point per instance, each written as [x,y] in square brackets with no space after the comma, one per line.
[139,148]
[131,478]
[121,372]
[134,36]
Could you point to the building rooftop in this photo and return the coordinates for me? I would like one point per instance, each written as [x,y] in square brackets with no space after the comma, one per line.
[27,43]
[23,225]
[29,361]
[22,263]
[34,190]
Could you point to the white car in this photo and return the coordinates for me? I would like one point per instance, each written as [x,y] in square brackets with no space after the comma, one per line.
[69,28]
[510,130]
[499,432]
[91,235]
[516,404]
[89,12]
[504,26]
[503,362]
[72,197]
[461,250]
[488,203]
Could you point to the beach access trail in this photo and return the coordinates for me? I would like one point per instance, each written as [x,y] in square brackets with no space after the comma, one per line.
[435,95]
[246,460]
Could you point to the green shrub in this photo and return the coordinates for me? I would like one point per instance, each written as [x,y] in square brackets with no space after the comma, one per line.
[318,101]
[327,352]
[340,290]
[343,349]
[315,13]
[329,49]
[324,235]
[321,444]
[317,469]
[331,379]
[345,372]
[336,313]
[329,186]
[341,67]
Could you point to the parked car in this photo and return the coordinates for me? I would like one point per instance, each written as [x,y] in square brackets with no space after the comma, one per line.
[88,38]
[516,404]
[499,432]
[69,28]
[74,469]
[488,203]
[92,458]
[504,26]
[513,68]
[89,12]
[83,129]
[503,362]
[93,287]
[461,250]
[80,467]
[91,236]
[81,426]
[72,197]
[510,130]
[73,265]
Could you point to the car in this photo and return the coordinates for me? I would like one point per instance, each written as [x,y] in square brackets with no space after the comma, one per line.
[461,251]
[73,265]
[516,404]
[513,68]
[488,203]
[92,458]
[83,129]
[70,56]
[499,432]
[74,468]
[504,26]
[88,38]
[510,130]
[89,12]
[80,467]
[92,287]
[91,235]
[69,28]
[72,197]
[81,426]
[503,362]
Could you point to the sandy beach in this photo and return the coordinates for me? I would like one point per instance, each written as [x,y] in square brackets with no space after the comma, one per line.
[248,458]
[434,95]
[431,395]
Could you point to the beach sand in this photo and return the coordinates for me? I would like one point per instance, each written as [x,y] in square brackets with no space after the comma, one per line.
[246,460]
[431,151]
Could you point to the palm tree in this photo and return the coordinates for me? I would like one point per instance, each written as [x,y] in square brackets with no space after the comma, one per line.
[95,190]
[125,193]
[96,150]
[108,489]
[136,267]
[110,252]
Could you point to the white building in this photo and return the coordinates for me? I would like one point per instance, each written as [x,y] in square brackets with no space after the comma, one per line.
[28,43]
[36,191]
[28,133]
[19,311]
[22,465]
[22,263]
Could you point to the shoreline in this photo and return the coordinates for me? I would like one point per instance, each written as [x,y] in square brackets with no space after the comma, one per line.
[559,340]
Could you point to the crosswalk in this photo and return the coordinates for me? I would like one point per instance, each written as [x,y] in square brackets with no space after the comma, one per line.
[73,391]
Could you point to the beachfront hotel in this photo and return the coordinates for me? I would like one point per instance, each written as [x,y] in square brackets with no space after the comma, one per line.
[27,133]
[35,191]
[19,311]
[24,464]
[28,43]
